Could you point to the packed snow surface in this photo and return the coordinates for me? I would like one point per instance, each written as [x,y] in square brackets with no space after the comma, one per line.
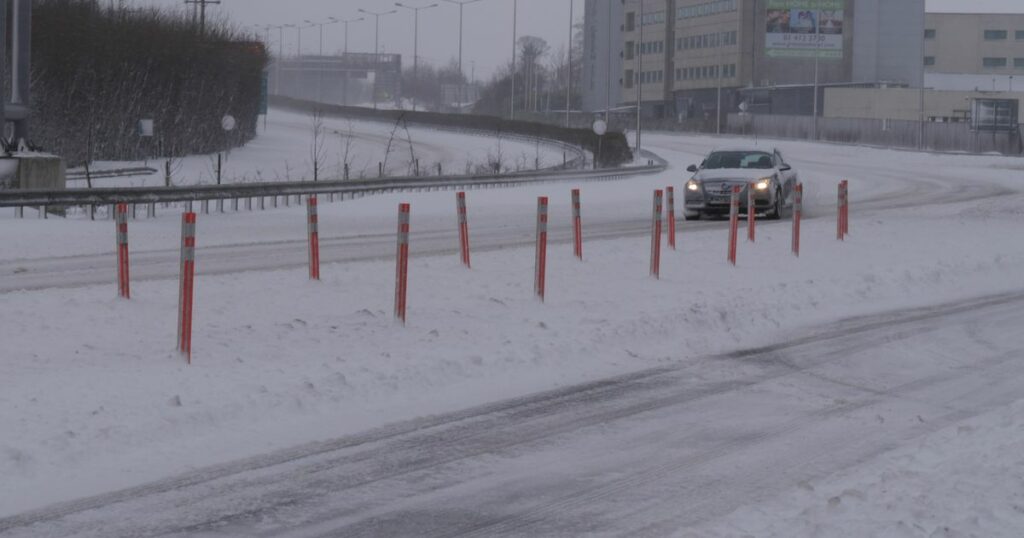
[93,396]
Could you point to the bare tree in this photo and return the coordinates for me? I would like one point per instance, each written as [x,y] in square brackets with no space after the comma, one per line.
[317,148]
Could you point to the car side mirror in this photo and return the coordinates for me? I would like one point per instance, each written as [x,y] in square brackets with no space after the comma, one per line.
[691,168]
[785,168]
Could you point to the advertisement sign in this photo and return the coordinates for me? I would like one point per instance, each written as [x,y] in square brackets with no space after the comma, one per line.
[264,97]
[803,28]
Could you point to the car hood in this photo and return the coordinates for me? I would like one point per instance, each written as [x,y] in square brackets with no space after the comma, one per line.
[738,175]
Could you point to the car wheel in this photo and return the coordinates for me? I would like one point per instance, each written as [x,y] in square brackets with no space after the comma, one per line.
[775,213]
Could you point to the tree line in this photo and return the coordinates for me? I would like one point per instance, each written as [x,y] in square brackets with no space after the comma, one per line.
[97,70]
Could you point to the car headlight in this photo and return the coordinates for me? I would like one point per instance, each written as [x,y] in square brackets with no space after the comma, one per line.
[763,184]
[692,185]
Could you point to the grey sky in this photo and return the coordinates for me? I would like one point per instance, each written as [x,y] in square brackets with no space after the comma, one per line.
[488,25]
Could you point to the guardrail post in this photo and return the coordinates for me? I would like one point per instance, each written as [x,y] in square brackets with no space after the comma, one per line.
[206,207]
[234,205]
[798,209]
[121,231]
[841,206]
[463,220]
[670,206]
[402,263]
[151,210]
[734,223]
[439,172]
[540,265]
[345,173]
[751,214]
[19,212]
[380,169]
[577,225]
[134,207]
[656,234]
[313,225]
[186,285]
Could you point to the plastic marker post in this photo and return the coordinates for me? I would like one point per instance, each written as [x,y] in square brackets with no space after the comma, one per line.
[313,225]
[540,267]
[734,223]
[751,214]
[656,235]
[187,284]
[121,224]
[846,208]
[402,262]
[460,206]
[577,225]
[841,229]
[798,210]
[670,206]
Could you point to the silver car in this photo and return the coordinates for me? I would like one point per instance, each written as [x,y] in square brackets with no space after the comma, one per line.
[709,191]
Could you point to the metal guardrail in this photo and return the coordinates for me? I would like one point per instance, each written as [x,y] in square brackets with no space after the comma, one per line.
[362,187]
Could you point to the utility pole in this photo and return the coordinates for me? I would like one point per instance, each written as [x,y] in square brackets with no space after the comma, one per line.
[416,46]
[568,74]
[376,47]
[320,69]
[515,16]
[201,4]
[639,87]
[817,61]
[462,87]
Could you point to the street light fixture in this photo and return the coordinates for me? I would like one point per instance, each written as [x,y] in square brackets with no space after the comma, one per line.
[462,87]
[416,45]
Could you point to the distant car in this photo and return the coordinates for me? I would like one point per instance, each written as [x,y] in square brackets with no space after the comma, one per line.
[709,191]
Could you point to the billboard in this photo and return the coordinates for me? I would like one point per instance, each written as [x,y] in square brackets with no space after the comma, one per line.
[803,28]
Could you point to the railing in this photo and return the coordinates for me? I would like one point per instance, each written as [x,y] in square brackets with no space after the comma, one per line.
[93,198]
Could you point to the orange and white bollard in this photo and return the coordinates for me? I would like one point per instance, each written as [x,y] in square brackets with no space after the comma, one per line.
[798,211]
[121,225]
[751,214]
[186,287]
[656,234]
[402,263]
[540,266]
[842,213]
[577,225]
[313,226]
[734,223]
[670,215]
[463,220]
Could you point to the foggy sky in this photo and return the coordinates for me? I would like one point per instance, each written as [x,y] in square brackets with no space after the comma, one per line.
[488,25]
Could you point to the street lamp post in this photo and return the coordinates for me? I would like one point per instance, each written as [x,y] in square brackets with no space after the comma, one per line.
[344,84]
[300,28]
[515,19]
[376,47]
[568,74]
[416,46]
[320,81]
[462,87]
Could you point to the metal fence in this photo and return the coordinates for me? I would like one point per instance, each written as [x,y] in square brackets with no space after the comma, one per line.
[932,136]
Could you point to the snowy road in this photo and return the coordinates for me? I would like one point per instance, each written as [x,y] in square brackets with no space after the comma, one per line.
[642,454]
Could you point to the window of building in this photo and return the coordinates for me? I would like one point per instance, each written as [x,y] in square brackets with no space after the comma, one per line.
[629,78]
[995,35]
[631,21]
[994,62]
[929,33]
[629,50]
[1020,35]
[929,60]
[1018,63]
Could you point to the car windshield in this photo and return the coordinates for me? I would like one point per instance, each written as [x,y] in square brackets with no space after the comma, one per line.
[738,159]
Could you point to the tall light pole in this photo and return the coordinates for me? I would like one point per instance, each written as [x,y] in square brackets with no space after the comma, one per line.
[376,47]
[280,56]
[462,87]
[300,28]
[568,74]
[639,88]
[515,17]
[416,45]
[344,84]
[320,81]
[817,62]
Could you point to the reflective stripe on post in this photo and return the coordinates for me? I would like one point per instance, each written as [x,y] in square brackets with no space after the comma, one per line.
[313,225]
[463,221]
[751,213]
[540,265]
[734,223]
[656,235]
[402,262]
[186,284]
[798,209]
[670,207]
[577,225]
[121,225]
